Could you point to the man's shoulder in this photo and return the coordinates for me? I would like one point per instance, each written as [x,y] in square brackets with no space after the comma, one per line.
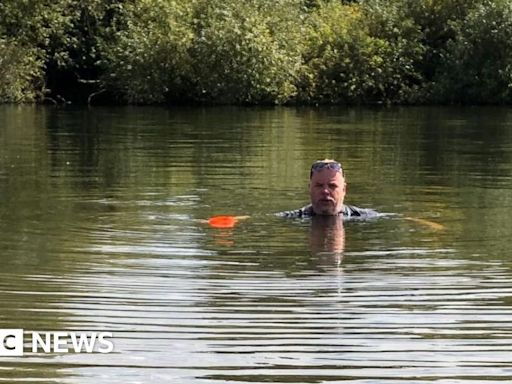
[351,211]
[348,212]
[306,211]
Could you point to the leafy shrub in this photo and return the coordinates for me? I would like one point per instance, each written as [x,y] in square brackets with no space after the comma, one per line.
[30,31]
[54,37]
[215,51]
[399,78]
[248,52]
[478,63]
[360,54]
[149,59]
[258,51]
[21,73]
[437,20]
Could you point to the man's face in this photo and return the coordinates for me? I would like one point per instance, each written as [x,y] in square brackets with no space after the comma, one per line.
[327,189]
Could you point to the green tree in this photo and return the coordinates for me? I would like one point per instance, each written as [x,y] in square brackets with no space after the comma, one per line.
[477,67]
[248,52]
[399,78]
[438,21]
[148,60]
[257,51]
[31,31]
[360,54]
[57,43]
[20,73]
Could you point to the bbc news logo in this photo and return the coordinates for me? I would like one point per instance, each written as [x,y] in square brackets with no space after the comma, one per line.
[12,342]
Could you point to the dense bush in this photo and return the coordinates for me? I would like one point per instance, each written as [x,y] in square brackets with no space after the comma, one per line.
[149,58]
[247,52]
[402,51]
[20,73]
[477,67]
[216,51]
[361,54]
[257,51]
[438,21]
[56,41]
[31,32]
[336,52]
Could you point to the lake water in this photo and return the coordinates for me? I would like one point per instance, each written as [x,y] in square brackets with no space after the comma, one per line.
[101,229]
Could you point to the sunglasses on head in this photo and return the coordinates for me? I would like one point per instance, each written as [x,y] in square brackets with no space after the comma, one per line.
[319,165]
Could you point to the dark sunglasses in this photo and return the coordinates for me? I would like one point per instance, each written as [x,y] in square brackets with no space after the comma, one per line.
[319,165]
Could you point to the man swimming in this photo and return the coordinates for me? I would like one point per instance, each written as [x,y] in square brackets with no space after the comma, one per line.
[327,189]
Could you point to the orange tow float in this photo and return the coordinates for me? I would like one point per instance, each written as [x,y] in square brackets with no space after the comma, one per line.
[225,221]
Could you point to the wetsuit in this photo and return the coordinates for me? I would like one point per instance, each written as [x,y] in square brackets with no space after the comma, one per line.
[348,212]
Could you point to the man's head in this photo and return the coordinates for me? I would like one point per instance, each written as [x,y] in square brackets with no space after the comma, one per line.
[327,187]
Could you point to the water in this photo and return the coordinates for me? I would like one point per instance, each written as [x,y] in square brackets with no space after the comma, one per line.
[101,229]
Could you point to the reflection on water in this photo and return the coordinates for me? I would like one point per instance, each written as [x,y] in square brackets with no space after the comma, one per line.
[101,229]
[327,236]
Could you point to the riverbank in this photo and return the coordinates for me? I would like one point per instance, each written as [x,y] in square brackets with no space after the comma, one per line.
[256,52]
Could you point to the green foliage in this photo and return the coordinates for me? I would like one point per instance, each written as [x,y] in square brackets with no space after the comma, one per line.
[149,59]
[247,52]
[30,31]
[399,78]
[437,20]
[51,35]
[90,23]
[258,51]
[215,51]
[336,51]
[38,23]
[20,73]
[362,53]
[477,67]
